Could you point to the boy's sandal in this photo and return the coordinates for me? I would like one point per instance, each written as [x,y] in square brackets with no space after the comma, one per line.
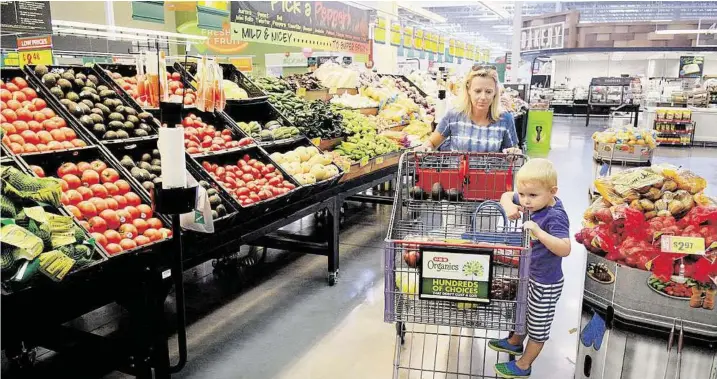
[511,370]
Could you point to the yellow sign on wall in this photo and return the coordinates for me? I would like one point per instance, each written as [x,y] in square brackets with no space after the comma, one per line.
[275,36]
[395,34]
[379,32]
[408,37]
[452,47]
[441,44]
[418,39]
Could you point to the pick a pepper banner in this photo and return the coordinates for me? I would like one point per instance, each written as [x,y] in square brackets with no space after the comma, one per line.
[455,276]
[329,25]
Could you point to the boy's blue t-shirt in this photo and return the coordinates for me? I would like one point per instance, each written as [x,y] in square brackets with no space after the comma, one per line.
[546,267]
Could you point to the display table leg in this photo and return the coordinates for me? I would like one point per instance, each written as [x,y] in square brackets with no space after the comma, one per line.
[333,222]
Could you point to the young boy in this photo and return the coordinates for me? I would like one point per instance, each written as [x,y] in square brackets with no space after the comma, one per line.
[537,185]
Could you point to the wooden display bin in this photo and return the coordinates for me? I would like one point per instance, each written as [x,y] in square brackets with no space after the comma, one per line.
[357,170]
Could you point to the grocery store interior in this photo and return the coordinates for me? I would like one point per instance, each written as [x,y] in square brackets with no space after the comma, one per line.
[308,226]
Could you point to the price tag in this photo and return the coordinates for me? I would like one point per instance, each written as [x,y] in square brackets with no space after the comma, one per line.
[333,90]
[166,273]
[35,57]
[363,161]
[379,160]
[682,245]
[301,92]
[316,141]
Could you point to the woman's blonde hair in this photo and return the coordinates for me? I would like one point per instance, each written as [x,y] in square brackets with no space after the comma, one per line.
[465,105]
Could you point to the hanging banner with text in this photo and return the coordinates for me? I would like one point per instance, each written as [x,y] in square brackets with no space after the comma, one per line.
[691,66]
[322,25]
[455,274]
[379,31]
[395,34]
[543,37]
[27,17]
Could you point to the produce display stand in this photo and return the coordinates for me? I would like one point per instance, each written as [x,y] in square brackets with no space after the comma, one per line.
[319,94]
[231,73]
[405,79]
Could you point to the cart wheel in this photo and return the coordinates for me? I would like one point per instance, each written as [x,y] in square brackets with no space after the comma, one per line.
[333,277]
[401,331]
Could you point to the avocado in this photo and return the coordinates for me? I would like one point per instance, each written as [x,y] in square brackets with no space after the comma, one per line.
[65,85]
[80,76]
[115,125]
[49,80]
[156,162]
[156,169]
[57,91]
[87,121]
[145,175]
[140,133]
[115,117]
[96,118]
[144,127]
[84,95]
[204,183]
[211,192]
[121,134]
[416,193]
[109,135]
[85,109]
[156,154]
[89,104]
[130,112]
[99,129]
[437,192]
[146,157]
[105,111]
[133,119]
[109,103]
[107,94]
[98,112]
[215,200]
[215,214]
[127,162]
[41,70]
[96,98]
[144,165]
[90,90]
[67,76]
[102,88]
[152,176]
[127,126]
[65,102]
[454,194]
[90,84]
[78,83]
[92,79]
[72,107]
[148,185]
[221,210]
[145,116]
[119,108]
[72,96]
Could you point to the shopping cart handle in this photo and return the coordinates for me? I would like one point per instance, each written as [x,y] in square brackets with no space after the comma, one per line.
[489,204]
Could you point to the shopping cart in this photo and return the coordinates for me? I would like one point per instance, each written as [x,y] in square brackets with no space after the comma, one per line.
[456,270]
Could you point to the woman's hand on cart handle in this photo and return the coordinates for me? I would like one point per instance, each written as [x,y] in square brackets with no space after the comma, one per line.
[424,148]
[513,150]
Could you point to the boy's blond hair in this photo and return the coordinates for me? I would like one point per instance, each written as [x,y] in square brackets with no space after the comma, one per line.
[538,170]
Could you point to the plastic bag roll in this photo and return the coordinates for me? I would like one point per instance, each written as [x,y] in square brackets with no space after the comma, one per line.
[171,149]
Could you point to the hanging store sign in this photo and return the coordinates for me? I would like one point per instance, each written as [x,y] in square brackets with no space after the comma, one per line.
[455,274]
[470,52]
[691,67]
[452,47]
[284,60]
[34,43]
[441,45]
[379,31]
[27,17]
[408,37]
[317,24]
[543,37]
[395,34]
[35,50]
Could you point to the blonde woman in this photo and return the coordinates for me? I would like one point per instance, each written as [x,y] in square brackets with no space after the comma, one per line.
[477,125]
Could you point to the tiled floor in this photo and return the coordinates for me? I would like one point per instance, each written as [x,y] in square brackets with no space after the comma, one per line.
[289,324]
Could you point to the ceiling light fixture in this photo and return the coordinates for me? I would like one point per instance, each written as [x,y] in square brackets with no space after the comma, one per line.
[151,33]
[422,12]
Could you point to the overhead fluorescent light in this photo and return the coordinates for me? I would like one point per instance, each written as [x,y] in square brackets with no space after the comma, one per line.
[660,21]
[502,26]
[497,9]
[422,12]
[687,31]
[74,24]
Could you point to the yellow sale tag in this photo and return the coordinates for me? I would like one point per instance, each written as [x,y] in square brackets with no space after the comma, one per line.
[35,57]
[682,245]
[363,161]
[379,160]
[316,141]
[333,90]
[301,92]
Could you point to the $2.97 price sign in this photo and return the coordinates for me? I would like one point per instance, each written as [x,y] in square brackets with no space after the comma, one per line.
[682,245]
[35,57]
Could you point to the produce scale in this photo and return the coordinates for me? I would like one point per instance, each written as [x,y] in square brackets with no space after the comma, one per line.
[85,138]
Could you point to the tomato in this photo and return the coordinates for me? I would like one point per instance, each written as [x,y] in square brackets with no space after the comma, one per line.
[111,218]
[141,225]
[75,211]
[121,201]
[97,224]
[85,192]
[141,240]
[152,234]
[128,231]
[113,248]
[9,115]
[19,82]
[154,223]
[133,212]
[73,182]
[109,175]
[38,171]
[40,104]
[99,204]
[247,177]
[99,238]
[125,216]
[45,137]
[166,233]
[123,186]
[133,199]
[99,191]
[98,166]
[83,166]
[74,197]
[90,177]
[111,203]
[35,126]
[16,138]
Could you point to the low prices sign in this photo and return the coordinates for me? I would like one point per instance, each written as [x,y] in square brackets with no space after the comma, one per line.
[543,37]
[454,274]
[35,50]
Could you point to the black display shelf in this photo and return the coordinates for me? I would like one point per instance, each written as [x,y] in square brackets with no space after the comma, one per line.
[51,102]
[50,164]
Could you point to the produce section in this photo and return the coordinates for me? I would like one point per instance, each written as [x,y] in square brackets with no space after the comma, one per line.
[637,230]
